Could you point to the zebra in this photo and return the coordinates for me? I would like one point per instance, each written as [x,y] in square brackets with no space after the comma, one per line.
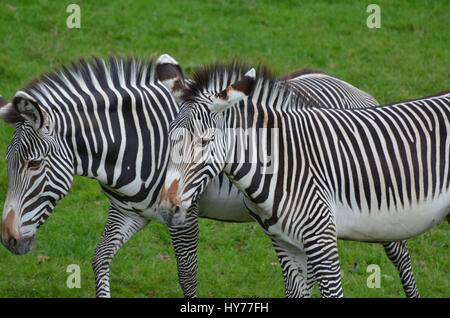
[76,121]
[313,174]
[323,90]
[106,119]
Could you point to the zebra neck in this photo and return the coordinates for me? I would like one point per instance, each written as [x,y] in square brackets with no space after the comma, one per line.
[120,139]
[253,139]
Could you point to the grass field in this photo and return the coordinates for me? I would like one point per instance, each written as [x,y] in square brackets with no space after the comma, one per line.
[407,57]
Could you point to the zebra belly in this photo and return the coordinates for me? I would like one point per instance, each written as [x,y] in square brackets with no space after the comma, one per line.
[220,202]
[390,225]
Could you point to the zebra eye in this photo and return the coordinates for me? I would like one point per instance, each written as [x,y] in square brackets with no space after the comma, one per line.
[204,141]
[223,94]
[34,164]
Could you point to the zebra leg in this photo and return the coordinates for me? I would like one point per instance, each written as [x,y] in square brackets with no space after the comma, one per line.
[120,227]
[298,281]
[184,241]
[324,260]
[399,256]
[320,244]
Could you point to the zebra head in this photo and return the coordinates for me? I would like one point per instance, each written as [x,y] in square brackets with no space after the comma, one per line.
[198,143]
[39,172]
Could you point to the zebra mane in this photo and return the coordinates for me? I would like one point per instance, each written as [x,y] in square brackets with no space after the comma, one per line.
[216,77]
[219,75]
[115,69]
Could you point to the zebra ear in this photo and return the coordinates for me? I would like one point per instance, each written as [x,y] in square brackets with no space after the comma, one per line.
[169,72]
[8,113]
[29,109]
[235,92]
[3,101]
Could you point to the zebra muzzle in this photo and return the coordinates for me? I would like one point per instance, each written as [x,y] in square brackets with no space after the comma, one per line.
[11,237]
[19,246]
[173,215]
[170,207]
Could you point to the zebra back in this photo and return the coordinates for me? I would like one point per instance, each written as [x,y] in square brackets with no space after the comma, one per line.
[325,90]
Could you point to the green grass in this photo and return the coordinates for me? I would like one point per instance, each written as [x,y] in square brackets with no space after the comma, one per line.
[407,58]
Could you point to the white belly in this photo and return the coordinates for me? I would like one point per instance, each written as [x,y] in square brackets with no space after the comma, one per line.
[390,225]
[220,204]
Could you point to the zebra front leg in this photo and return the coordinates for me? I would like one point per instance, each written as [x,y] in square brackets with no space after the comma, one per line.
[320,244]
[324,260]
[399,256]
[184,241]
[119,229]
[298,278]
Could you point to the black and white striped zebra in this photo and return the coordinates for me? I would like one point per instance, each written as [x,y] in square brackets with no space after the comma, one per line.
[103,119]
[322,90]
[312,174]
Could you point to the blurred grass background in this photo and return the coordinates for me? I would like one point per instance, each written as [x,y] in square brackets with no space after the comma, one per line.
[407,57]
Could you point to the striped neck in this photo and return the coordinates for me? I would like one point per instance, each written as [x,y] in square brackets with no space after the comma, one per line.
[105,113]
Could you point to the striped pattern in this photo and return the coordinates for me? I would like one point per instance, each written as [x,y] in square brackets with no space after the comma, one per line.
[36,191]
[107,120]
[372,174]
[328,91]
[321,88]
[366,172]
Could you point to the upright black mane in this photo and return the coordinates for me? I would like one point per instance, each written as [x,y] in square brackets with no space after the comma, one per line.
[219,75]
[222,74]
[118,69]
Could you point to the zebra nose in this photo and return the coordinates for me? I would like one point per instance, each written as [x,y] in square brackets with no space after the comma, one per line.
[175,210]
[178,215]
[172,215]
[12,241]
[9,230]
[19,246]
